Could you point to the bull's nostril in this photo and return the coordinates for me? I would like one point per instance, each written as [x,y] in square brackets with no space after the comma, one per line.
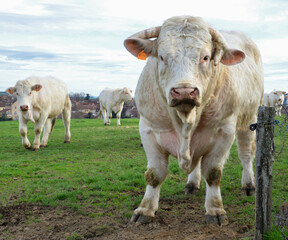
[174,92]
[194,92]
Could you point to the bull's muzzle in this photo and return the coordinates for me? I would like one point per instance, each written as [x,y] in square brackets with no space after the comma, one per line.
[24,108]
[186,98]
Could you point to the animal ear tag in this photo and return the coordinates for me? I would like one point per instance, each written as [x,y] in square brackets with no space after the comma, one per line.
[142,55]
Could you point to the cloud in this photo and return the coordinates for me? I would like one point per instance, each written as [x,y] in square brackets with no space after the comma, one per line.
[81,42]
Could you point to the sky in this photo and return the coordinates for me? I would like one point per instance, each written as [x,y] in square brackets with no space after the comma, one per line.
[81,42]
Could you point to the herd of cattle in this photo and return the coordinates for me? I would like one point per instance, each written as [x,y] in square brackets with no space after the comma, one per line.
[199,90]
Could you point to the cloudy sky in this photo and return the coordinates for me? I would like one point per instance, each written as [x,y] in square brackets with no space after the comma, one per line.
[81,42]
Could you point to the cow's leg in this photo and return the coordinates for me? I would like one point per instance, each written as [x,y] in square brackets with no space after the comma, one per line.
[194,179]
[211,167]
[46,132]
[156,173]
[66,120]
[118,115]
[108,116]
[38,129]
[103,111]
[246,151]
[23,132]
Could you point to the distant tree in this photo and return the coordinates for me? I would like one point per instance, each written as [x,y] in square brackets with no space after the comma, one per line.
[87,96]
[77,96]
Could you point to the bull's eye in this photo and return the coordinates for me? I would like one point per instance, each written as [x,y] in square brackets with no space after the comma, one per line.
[17,94]
[29,94]
[161,58]
[205,59]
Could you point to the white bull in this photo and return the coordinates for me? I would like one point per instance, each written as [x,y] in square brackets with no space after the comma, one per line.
[199,89]
[113,100]
[274,99]
[40,100]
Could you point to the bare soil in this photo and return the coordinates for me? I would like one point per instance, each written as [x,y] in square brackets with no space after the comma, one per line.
[177,220]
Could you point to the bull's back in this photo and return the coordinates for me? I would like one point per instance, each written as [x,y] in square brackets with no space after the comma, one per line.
[53,96]
[247,81]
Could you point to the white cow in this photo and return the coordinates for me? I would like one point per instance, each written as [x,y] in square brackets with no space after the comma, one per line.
[199,88]
[274,99]
[113,100]
[40,100]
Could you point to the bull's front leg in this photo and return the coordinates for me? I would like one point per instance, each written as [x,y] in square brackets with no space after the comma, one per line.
[38,130]
[212,168]
[108,116]
[156,173]
[47,131]
[23,131]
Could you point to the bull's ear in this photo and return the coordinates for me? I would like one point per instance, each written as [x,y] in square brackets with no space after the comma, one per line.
[140,48]
[36,87]
[232,56]
[11,90]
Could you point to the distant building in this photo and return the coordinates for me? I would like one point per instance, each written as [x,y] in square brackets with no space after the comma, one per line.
[14,110]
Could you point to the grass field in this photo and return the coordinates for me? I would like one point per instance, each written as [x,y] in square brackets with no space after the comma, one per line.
[101,172]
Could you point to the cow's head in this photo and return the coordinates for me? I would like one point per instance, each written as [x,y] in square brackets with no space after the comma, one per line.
[186,51]
[279,95]
[127,94]
[24,93]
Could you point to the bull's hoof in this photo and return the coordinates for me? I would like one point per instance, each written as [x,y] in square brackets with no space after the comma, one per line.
[35,148]
[106,124]
[137,218]
[27,147]
[43,146]
[220,220]
[191,189]
[67,141]
[248,191]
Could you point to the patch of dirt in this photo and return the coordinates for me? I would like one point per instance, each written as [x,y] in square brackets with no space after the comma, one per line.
[175,221]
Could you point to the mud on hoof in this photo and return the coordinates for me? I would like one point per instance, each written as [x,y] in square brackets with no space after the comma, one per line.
[137,218]
[220,220]
[248,191]
[191,189]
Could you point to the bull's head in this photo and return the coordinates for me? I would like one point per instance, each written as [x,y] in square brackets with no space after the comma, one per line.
[186,51]
[24,94]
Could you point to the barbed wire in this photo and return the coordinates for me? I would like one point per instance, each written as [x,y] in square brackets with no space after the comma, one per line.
[282,129]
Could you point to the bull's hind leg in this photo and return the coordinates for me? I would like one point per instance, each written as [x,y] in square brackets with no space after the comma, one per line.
[66,121]
[246,151]
[194,179]
[156,173]
[118,115]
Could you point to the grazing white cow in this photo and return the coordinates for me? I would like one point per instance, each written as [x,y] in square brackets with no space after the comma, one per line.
[199,88]
[113,100]
[40,100]
[274,99]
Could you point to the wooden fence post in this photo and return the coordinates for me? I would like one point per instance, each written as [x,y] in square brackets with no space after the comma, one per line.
[263,170]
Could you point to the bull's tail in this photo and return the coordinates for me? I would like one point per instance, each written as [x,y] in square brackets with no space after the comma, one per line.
[52,125]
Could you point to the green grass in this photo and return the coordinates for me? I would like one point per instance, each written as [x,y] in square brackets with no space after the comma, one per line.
[102,170]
